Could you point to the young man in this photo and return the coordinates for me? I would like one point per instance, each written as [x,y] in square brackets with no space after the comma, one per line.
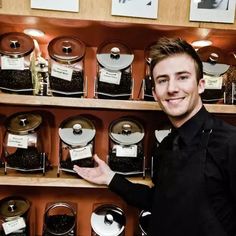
[194,191]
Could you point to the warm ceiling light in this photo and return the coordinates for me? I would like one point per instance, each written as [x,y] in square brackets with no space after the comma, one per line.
[201,43]
[34,32]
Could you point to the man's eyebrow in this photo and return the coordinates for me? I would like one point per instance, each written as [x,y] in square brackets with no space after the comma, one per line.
[177,73]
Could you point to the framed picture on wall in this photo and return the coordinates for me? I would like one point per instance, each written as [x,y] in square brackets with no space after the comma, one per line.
[222,11]
[135,8]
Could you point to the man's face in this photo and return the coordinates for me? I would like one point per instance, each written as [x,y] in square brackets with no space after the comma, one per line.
[176,88]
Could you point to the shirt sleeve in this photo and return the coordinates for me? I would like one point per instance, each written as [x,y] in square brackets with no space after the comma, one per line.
[138,195]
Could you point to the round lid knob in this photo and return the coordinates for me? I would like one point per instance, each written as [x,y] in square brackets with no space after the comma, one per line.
[66,49]
[114,56]
[23,122]
[126,131]
[16,44]
[77,131]
[108,220]
[13,206]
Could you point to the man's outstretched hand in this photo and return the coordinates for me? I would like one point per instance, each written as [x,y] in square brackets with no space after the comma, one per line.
[100,174]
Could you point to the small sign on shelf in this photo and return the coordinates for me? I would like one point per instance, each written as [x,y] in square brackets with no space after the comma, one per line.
[58,5]
[134,8]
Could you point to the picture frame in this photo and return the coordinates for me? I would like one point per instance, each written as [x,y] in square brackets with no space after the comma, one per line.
[135,8]
[220,11]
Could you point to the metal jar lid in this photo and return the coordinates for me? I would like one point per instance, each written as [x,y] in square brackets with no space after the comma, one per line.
[114,56]
[16,44]
[214,60]
[13,206]
[66,49]
[23,123]
[126,131]
[108,220]
[144,218]
[77,131]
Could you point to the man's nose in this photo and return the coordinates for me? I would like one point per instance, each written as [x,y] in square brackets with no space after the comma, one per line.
[172,86]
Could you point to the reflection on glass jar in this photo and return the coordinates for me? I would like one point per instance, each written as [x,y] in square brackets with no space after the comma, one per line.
[66,67]
[23,143]
[16,51]
[15,216]
[126,152]
[144,218]
[76,143]
[147,81]
[109,220]
[114,72]
[60,218]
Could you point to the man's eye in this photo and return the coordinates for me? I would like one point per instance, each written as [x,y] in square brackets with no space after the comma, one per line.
[161,81]
[183,77]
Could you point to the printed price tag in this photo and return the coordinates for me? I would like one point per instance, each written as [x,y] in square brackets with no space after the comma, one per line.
[13,225]
[111,77]
[213,82]
[61,72]
[8,63]
[19,141]
[80,153]
[126,151]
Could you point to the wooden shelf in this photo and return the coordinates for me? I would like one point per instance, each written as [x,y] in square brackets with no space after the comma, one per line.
[50,179]
[28,100]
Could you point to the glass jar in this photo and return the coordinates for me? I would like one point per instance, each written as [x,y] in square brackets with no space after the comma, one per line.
[213,71]
[60,218]
[109,220]
[16,51]
[66,67]
[114,71]
[231,85]
[15,216]
[76,143]
[23,143]
[126,152]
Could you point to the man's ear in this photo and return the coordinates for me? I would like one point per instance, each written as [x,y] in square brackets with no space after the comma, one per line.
[201,86]
[154,94]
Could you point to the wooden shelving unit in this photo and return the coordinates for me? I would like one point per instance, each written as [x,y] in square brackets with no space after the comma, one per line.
[50,179]
[28,100]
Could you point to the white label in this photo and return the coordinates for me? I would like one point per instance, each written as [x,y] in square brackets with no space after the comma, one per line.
[80,153]
[9,63]
[61,5]
[19,141]
[136,8]
[111,77]
[126,151]
[213,82]
[61,72]
[13,225]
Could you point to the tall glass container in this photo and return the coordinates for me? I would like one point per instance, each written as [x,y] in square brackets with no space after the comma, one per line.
[66,67]
[126,151]
[76,143]
[114,71]
[16,51]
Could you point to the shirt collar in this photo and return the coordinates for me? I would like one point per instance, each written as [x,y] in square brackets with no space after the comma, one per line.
[192,127]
